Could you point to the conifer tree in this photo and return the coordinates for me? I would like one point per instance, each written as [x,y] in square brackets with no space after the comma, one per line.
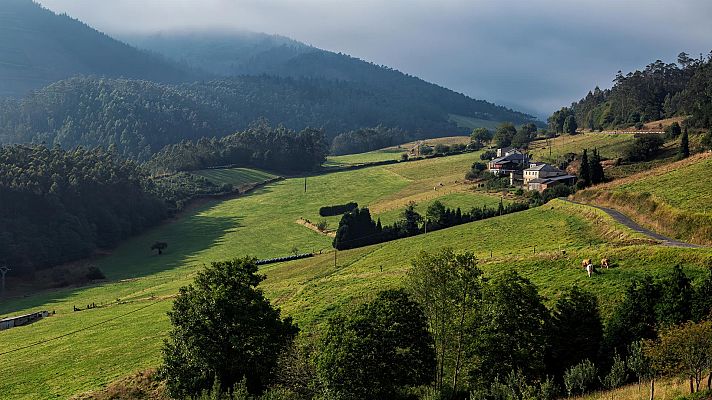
[585,169]
[684,145]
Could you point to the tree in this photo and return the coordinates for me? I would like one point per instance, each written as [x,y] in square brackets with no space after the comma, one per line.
[585,169]
[223,329]
[411,220]
[576,330]
[595,168]
[448,287]
[481,136]
[643,148]
[504,134]
[435,215]
[508,333]
[160,246]
[684,350]
[702,299]
[684,145]
[356,229]
[570,125]
[674,305]
[378,349]
[635,317]
[674,130]
[617,375]
[640,363]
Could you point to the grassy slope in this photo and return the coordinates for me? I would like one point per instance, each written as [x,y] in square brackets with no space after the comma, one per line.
[609,145]
[672,198]
[235,176]
[124,333]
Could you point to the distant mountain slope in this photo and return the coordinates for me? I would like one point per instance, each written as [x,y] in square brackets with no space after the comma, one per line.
[140,117]
[38,47]
[249,53]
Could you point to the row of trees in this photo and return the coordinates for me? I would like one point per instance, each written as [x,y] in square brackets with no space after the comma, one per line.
[590,171]
[357,228]
[367,139]
[57,205]
[659,91]
[261,145]
[451,332]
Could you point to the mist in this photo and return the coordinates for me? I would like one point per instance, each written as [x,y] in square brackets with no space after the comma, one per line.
[534,56]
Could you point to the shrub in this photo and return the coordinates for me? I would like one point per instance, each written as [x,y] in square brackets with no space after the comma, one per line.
[338,209]
[94,273]
[488,155]
[580,378]
[322,225]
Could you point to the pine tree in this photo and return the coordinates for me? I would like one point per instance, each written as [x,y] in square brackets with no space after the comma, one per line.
[684,145]
[585,169]
[595,168]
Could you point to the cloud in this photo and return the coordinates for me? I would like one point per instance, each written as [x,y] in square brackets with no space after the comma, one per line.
[534,55]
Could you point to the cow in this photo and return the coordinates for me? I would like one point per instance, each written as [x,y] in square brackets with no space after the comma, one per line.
[586,262]
[605,263]
[589,270]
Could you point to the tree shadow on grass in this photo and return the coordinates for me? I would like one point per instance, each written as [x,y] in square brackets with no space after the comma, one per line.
[133,259]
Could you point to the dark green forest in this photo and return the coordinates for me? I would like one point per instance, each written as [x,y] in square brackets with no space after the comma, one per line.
[59,205]
[40,47]
[141,117]
[659,91]
[261,145]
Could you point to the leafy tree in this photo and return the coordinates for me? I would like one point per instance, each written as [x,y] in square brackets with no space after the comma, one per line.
[504,134]
[558,119]
[379,349]
[356,229]
[643,148]
[635,317]
[508,332]
[160,246]
[481,136]
[684,145]
[702,299]
[436,215]
[447,285]
[674,305]
[684,351]
[674,130]
[570,125]
[576,330]
[223,329]
[640,363]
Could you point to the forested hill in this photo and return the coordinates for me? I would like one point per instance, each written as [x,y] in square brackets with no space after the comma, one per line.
[38,47]
[249,53]
[659,91]
[138,118]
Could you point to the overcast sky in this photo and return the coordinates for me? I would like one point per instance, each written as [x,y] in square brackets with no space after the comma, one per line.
[533,55]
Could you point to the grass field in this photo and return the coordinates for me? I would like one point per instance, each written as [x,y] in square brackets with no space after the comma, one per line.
[672,198]
[72,352]
[390,153]
[235,176]
[609,145]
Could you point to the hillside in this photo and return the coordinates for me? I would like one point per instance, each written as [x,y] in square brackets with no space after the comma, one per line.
[672,199]
[38,47]
[141,117]
[658,91]
[124,333]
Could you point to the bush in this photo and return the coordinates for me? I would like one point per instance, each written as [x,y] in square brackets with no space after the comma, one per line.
[643,148]
[322,225]
[442,148]
[94,274]
[580,378]
[488,155]
[338,209]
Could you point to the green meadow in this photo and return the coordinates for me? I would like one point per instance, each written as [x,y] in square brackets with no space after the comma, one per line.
[234,176]
[72,352]
[609,145]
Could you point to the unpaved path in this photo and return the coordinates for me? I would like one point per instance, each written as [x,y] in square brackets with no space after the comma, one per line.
[625,220]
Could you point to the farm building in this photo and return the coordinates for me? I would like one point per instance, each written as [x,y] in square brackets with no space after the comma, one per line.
[541,171]
[21,320]
[513,160]
[541,184]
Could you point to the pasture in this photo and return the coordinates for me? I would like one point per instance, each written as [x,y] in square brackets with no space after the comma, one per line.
[234,176]
[608,144]
[73,352]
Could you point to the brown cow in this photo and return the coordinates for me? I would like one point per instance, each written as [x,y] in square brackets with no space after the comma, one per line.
[585,263]
[605,263]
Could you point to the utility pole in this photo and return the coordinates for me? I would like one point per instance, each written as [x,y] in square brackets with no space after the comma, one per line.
[3,271]
[335,257]
[305,184]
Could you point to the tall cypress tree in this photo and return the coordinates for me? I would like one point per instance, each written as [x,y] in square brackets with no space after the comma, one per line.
[684,145]
[585,169]
[595,168]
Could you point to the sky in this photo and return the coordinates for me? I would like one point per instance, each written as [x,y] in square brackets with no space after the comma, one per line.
[532,55]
